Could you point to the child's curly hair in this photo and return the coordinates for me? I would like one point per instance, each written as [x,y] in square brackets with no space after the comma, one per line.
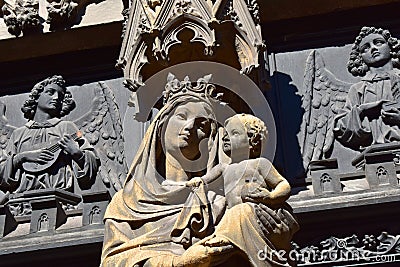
[256,131]
[356,64]
[30,105]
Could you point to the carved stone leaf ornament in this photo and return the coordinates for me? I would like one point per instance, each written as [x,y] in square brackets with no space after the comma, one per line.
[254,9]
[229,13]
[21,16]
[61,13]
[154,3]
[184,7]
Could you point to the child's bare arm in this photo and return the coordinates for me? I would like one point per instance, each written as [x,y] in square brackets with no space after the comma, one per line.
[214,173]
[210,177]
[280,188]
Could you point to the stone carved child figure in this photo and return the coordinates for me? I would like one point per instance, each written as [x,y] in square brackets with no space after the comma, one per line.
[48,101]
[248,177]
[250,180]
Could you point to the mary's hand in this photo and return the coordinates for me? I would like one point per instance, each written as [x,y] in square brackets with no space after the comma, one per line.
[272,224]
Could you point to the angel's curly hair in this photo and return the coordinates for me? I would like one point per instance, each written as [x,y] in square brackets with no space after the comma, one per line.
[356,64]
[30,105]
[256,131]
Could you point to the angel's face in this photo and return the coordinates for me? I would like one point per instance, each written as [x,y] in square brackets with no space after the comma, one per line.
[51,98]
[375,50]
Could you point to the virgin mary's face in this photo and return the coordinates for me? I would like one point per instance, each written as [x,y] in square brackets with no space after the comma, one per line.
[188,125]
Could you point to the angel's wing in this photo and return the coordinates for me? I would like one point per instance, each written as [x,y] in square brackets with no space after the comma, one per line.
[5,131]
[324,97]
[102,127]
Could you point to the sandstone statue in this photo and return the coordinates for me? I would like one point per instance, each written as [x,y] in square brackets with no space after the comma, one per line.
[162,218]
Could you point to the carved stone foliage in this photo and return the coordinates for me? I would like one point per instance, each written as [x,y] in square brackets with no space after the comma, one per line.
[254,9]
[60,13]
[184,7]
[155,27]
[229,12]
[21,16]
[20,209]
[64,14]
[367,248]
[125,14]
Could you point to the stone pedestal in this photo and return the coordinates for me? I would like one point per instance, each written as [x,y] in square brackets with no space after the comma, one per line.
[94,207]
[45,207]
[379,166]
[324,177]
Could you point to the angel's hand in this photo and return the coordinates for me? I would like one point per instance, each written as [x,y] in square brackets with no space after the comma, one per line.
[391,116]
[40,156]
[367,107]
[71,147]
[194,182]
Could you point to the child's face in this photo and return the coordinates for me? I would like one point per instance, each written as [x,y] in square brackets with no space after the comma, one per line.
[235,137]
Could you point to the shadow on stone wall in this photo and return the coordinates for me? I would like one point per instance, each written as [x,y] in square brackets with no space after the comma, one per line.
[286,107]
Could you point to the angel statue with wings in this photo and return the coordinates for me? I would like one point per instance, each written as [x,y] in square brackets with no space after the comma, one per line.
[48,152]
[368,112]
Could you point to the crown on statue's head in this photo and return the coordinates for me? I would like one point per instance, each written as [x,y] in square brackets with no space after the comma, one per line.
[202,89]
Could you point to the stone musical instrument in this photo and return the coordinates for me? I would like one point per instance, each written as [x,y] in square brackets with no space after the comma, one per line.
[35,167]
